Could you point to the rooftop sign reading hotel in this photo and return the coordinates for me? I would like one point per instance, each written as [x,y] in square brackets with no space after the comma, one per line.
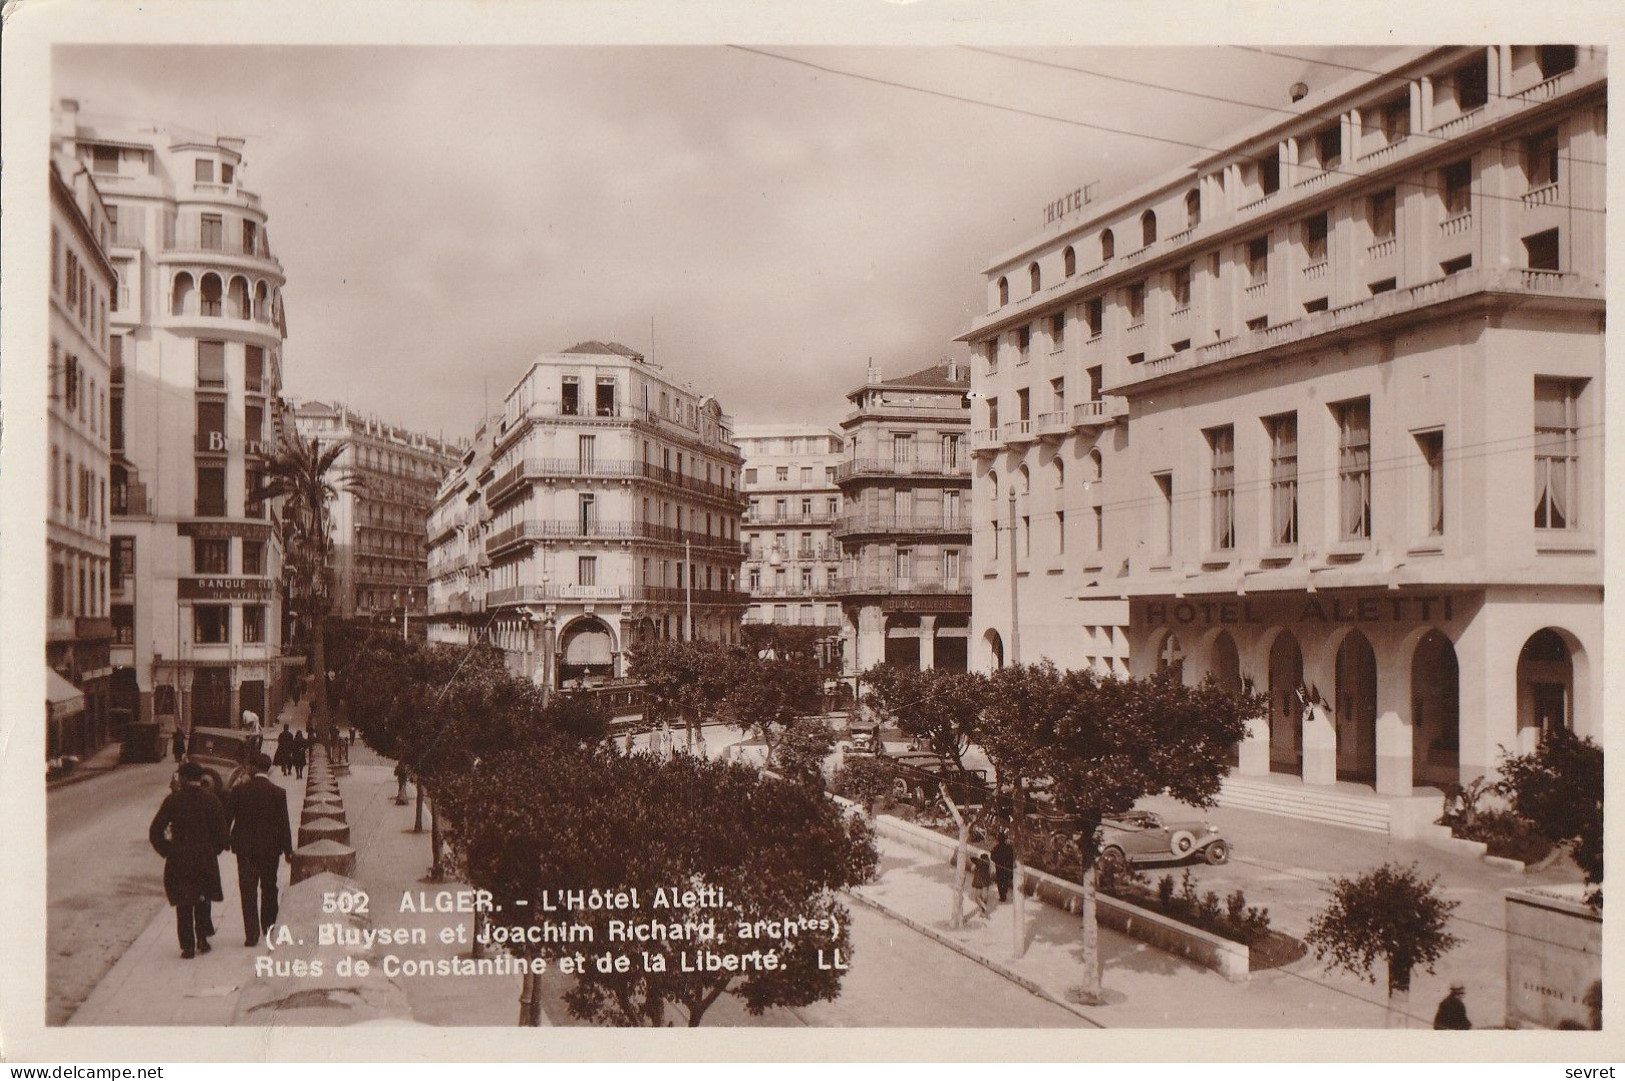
[1070,203]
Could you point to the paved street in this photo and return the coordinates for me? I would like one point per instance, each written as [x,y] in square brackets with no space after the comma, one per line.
[104,882]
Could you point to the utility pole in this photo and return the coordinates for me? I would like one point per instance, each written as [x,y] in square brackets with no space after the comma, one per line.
[1018,908]
[688,593]
[1015,616]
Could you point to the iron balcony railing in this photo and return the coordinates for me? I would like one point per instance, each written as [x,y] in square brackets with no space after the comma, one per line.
[613,529]
[890,583]
[885,522]
[903,467]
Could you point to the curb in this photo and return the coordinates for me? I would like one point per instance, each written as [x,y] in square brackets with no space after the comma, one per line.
[932,933]
[1505,863]
[80,775]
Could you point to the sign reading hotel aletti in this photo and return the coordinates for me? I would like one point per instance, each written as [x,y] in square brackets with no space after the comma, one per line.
[1329,608]
[225,589]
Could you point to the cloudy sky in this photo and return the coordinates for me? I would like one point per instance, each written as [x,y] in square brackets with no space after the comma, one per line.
[445,214]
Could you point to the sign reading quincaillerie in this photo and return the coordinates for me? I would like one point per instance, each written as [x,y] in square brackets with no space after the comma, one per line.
[225,589]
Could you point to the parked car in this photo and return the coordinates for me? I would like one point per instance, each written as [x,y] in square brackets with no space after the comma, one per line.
[1143,837]
[143,742]
[864,739]
[920,775]
[223,753]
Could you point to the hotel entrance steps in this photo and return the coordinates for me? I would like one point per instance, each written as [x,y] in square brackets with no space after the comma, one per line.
[1354,806]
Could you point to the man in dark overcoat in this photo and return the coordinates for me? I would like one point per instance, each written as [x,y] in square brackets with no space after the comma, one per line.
[261,837]
[177,743]
[189,831]
[284,751]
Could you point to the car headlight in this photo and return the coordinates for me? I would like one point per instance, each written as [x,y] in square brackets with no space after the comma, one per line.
[1213,829]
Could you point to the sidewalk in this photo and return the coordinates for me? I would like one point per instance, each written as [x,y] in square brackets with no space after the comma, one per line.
[102,760]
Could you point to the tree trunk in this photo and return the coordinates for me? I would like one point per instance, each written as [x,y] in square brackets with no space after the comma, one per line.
[417,822]
[318,654]
[956,916]
[1090,990]
[1399,998]
[1018,897]
[437,869]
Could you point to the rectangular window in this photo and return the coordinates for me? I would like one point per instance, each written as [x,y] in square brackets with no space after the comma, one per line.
[59,590]
[211,424]
[1094,316]
[1024,341]
[253,479]
[782,474]
[1457,182]
[211,624]
[570,396]
[1540,159]
[1329,147]
[606,397]
[1283,434]
[1431,447]
[1382,210]
[253,623]
[1057,330]
[1100,528]
[253,368]
[212,237]
[211,556]
[1354,468]
[254,423]
[587,570]
[1472,83]
[1181,287]
[253,557]
[104,159]
[1060,532]
[588,513]
[1257,257]
[993,413]
[806,476]
[1554,60]
[586,452]
[950,565]
[1557,453]
[211,491]
[123,624]
[1023,402]
[950,453]
[1456,265]
[1164,528]
[203,171]
[1540,250]
[1097,377]
[1134,301]
[1387,285]
[755,578]
[1222,487]
[1269,173]
[211,364]
[904,564]
[122,563]
[1394,120]
[1314,238]
[750,476]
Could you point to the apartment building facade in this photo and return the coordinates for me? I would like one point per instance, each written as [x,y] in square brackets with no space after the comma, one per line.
[78,633]
[600,509]
[195,354]
[1340,422]
[905,526]
[792,560]
[379,522]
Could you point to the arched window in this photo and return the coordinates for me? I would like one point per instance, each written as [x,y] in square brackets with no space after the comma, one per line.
[261,308]
[993,486]
[181,294]
[237,298]
[1193,208]
[1004,291]
[1097,467]
[1034,277]
[1108,245]
[1069,261]
[1148,228]
[1060,472]
[210,291]
[1026,481]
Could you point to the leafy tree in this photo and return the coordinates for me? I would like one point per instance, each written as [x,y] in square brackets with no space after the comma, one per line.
[941,707]
[768,696]
[1558,787]
[782,640]
[303,476]
[865,779]
[529,823]
[1090,747]
[805,745]
[1390,915]
[684,682]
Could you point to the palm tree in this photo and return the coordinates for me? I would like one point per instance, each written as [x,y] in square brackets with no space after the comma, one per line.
[302,475]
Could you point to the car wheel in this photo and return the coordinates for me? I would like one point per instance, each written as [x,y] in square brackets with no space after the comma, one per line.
[1112,858]
[1216,853]
[1181,843]
[213,784]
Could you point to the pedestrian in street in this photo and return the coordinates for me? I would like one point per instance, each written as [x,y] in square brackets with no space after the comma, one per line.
[1452,1012]
[284,751]
[251,721]
[257,811]
[297,753]
[189,831]
[1004,866]
[981,884]
[177,744]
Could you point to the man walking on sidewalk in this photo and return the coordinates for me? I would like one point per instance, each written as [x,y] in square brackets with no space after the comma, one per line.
[262,838]
[189,831]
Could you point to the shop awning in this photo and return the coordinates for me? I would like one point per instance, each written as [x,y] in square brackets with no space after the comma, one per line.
[62,699]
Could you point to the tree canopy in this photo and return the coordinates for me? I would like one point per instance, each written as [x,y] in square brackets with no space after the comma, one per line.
[1559,787]
[941,707]
[1388,914]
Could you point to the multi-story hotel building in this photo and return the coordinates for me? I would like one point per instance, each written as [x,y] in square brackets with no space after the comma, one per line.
[905,526]
[792,561]
[196,363]
[1323,411]
[379,518]
[600,509]
[77,420]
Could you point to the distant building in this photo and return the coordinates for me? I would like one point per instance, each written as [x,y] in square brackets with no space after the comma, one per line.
[905,525]
[601,509]
[1323,411]
[792,561]
[379,558]
[195,355]
[78,632]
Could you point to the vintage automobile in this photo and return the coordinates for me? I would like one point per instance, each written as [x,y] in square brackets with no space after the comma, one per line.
[1143,837]
[223,753]
[864,739]
[918,777]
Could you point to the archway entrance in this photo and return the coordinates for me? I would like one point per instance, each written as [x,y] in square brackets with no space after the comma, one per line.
[1224,665]
[1356,710]
[1545,687]
[995,648]
[587,652]
[952,638]
[903,641]
[1171,658]
[1435,712]
[1286,709]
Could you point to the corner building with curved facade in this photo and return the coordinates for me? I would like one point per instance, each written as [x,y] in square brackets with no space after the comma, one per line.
[600,508]
[195,358]
[1323,411]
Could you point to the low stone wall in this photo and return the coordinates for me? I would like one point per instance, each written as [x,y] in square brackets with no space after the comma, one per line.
[1232,960]
[1554,961]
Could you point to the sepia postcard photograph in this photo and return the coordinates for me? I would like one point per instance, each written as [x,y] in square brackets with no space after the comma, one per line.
[929,522]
